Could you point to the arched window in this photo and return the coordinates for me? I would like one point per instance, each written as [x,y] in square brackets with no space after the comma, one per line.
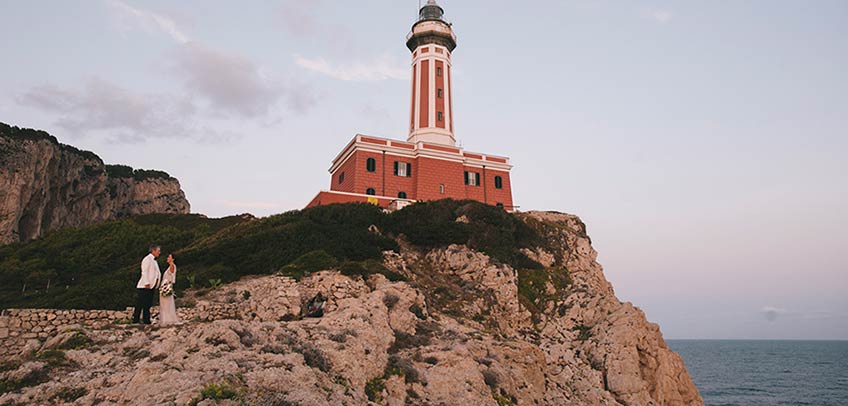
[402,195]
[370,191]
[341,178]
[371,165]
[498,182]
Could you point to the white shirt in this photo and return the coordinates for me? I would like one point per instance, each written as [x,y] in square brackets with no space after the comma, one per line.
[150,273]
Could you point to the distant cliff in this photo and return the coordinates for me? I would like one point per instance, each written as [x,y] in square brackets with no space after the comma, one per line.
[45,185]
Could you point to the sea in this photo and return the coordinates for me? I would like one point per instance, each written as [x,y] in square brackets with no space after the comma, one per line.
[766,373]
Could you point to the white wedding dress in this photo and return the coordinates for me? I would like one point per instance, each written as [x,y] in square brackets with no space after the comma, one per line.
[167,308]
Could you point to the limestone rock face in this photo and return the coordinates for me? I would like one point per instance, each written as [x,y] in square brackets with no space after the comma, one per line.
[45,185]
[462,330]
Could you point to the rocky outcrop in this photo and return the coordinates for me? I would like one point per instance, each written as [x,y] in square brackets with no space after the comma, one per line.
[461,330]
[45,185]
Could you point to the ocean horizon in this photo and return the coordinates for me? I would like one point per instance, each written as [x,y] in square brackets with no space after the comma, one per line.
[767,372]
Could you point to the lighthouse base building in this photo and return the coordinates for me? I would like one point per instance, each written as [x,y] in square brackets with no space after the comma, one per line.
[381,171]
[428,165]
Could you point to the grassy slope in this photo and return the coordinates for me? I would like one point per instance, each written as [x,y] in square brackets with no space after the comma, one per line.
[97,266]
[94,266]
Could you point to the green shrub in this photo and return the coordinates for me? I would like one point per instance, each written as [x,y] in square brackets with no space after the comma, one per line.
[69,395]
[502,399]
[310,262]
[374,389]
[77,341]
[585,332]
[390,300]
[53,358]
[403,368]
[123,171]
[314,357]
[119,171]
[490,229]
[219,391]
[9,365]
[533,286]
[192,281]
[33,378]
[368,267]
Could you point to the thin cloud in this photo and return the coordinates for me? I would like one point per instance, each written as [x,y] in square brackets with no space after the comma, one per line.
[215,84]
[381,69]
[229,82]
[661,16]
[101,105]
[298,17]
[150,20]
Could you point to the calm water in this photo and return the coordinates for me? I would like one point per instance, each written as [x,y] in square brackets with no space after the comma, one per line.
[754,373]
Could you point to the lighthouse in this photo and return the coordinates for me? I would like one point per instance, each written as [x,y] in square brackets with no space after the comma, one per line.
[428,165]
[431,42]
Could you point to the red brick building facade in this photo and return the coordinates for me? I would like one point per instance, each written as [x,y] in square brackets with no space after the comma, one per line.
[429,165]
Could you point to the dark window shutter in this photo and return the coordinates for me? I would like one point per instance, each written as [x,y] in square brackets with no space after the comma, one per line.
[396,168]
[408,170]
[466,177]
[477,178]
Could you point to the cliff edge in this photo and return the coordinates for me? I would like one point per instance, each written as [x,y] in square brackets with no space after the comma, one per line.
[444,325]
[45,185]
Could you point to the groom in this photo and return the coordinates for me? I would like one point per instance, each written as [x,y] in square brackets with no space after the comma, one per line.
[146,286]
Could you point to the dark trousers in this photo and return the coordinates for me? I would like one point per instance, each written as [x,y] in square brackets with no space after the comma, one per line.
[142,305]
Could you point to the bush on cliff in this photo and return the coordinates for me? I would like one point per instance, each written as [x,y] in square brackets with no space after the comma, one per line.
[487,229]
[18,133]
[123,171]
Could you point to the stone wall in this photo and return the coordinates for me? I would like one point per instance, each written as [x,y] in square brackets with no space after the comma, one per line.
[17,326]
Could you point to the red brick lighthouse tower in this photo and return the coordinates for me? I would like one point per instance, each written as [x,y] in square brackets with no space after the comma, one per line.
[428,165]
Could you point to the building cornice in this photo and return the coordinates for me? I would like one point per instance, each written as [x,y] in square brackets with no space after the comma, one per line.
[421,149]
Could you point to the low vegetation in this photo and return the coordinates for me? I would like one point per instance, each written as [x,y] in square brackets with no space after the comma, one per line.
[533,286]
[49,361]
[218,391]
[93,267]
[97,266]
[123,171]
[17,133]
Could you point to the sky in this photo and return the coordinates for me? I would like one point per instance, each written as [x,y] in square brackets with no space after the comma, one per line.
[703,143]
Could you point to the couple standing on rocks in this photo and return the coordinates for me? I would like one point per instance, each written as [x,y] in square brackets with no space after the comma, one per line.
[151,280]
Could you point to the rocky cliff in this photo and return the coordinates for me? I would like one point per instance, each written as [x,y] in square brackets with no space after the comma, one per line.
[457,328]
[45,185]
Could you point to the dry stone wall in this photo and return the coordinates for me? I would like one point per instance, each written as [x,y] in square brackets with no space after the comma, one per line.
[17,326]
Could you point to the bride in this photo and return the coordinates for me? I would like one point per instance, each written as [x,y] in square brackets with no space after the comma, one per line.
[167,309]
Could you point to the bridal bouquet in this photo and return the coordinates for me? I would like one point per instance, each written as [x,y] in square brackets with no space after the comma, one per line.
[167,289]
